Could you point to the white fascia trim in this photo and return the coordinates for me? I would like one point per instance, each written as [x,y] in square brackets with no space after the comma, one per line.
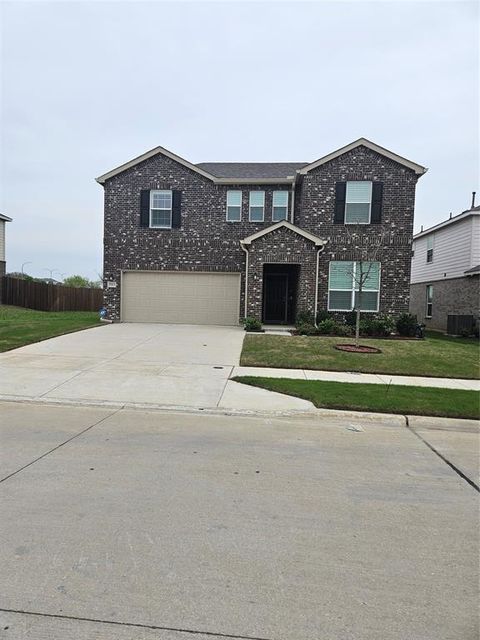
[461,216]
[5,218]
[288,180]
[288,225]
[149,154]
[153,152]
[419,169]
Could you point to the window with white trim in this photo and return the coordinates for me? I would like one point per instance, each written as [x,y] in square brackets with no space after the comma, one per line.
[161,209]
[430,248]
[429,305]
[344,280]
[358,202]
[234,206]
[256,206]
[280,206]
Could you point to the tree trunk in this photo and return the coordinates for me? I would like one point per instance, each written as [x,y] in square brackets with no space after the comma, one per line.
[357,328]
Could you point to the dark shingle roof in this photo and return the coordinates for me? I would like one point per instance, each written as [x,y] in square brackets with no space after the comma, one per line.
[251,169]
[473,269]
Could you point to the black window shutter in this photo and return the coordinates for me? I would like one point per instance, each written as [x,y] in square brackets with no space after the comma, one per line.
[377,195]
[145,208]
[176,209]
[340,195]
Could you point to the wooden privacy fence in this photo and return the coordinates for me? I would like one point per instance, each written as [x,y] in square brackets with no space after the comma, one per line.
[49,297]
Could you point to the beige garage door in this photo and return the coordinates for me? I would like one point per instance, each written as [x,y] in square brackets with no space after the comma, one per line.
[186,298]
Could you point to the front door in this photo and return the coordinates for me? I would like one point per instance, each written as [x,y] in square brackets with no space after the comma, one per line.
[275,297]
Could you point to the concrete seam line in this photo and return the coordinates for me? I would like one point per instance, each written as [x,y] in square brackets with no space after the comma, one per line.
[61,445]
[458,471]
[136,624]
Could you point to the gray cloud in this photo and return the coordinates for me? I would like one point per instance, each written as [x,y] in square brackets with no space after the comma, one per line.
[87,86]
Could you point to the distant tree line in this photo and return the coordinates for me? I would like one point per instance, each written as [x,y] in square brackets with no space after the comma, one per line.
[71,281]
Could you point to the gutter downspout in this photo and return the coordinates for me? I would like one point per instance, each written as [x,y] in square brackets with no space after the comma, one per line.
[246,278]
[315,309]
[292,210]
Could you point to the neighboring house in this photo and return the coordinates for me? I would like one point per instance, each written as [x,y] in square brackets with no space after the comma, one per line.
[446,270]
[213,242]
[3,221]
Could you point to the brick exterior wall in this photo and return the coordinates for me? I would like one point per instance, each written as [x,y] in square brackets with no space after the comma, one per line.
[207,242]
[458,296]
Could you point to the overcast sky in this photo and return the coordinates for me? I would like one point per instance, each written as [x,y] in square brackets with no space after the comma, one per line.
[87,86]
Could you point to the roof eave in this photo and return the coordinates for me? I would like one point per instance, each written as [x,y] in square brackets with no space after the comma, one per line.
[318,242]
[417,168]
[458,218]
[149,154]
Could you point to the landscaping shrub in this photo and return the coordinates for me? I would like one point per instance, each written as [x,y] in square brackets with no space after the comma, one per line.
[382,326]
[344,330]
[307,329]
[327,327]
[307,317]
[304,318]
[350,318]
[406,324]
[252,324]
[367,327]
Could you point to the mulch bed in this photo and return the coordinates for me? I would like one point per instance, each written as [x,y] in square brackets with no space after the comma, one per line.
[351,348]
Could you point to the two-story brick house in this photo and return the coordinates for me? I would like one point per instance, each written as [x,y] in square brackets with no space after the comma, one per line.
[213,242]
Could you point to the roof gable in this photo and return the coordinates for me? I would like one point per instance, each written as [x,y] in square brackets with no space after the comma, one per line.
[150,154]
[288,225]
[419,170]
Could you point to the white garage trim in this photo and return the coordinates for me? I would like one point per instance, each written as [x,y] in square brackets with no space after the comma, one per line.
[180,297]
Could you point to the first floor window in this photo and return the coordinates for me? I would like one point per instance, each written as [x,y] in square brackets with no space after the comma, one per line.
[257,206]
[234,206]
[161,209]
[429,300]
[280,206]
[358,202]
[346,278]
[430,249]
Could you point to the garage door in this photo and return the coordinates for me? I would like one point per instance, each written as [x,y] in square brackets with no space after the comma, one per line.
[185,298]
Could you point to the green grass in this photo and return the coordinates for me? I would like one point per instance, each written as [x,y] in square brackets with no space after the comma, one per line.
[438,355]
[421,401]
[19,326]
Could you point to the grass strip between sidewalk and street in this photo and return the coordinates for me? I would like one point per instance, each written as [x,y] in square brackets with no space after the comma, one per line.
[19,326]
[378,398]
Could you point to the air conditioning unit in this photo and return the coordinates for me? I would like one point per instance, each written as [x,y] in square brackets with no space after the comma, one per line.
[456,324]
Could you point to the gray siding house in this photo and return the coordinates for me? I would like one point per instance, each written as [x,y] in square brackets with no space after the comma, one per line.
[446,270]
[211,243]
[3,221]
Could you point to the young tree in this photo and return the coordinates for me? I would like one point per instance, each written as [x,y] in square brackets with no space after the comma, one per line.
[364,272]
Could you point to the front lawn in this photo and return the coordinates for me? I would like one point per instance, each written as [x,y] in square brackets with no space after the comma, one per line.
[437,355]
[422,401]
[19,326]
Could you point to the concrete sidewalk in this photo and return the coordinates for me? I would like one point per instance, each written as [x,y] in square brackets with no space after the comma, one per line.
[350,376]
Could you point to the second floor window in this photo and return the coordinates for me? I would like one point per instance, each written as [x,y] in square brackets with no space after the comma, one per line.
[257,206]
[161,209]
[280,206]
[430,249]
[358,202]
[234,206]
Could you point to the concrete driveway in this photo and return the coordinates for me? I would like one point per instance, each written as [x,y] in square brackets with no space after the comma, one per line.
[180,365]
[153,525]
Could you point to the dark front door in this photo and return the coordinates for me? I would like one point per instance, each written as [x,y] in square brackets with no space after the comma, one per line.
[275,298]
